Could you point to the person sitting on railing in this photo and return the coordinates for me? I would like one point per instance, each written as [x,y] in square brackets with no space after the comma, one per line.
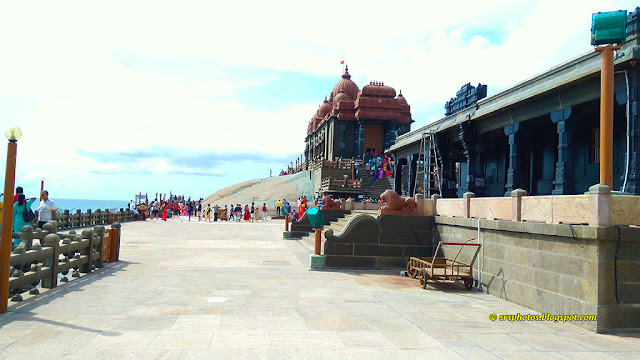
[20,208]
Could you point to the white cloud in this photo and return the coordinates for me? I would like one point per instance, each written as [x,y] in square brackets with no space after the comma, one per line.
[59,56]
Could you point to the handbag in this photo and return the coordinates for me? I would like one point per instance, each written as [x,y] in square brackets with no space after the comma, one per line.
[28,215]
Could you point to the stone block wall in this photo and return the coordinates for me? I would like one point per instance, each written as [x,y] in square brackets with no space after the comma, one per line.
[385,242]
[555,268]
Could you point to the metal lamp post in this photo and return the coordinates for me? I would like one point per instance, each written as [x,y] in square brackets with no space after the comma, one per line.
[13,134]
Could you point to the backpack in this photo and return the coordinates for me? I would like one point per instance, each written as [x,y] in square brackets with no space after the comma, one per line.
[28,215]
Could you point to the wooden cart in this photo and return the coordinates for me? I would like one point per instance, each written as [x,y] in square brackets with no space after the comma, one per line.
[435,268]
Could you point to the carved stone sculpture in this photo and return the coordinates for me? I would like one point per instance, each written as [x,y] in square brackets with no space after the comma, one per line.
[329,204]
[396,204]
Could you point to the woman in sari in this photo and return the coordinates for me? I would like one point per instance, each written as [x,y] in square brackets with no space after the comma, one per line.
[247,214]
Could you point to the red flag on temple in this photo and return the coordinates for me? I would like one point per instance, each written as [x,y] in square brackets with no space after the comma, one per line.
[342,62]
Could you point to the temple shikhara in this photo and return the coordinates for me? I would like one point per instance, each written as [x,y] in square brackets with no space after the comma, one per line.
[354,121]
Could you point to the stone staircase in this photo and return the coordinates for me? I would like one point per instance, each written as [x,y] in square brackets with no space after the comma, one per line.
[336,226]
[378,187]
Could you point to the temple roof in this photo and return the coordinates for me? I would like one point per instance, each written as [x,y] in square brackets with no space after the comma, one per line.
[346,85]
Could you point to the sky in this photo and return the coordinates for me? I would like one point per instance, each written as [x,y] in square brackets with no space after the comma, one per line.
[120,97]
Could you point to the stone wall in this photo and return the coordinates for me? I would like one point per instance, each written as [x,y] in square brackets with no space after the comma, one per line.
[555,268]
[385,242]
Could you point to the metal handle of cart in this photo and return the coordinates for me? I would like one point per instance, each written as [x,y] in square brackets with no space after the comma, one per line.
[462,245]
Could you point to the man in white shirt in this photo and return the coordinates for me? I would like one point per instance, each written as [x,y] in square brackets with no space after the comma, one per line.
[132,207]
[47,210]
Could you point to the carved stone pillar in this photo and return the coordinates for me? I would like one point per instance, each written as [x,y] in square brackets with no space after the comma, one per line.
[633,178]
[447,160]
[564,183]
[342,143]
[514,173]
[474,153]
[359,140]
[389,134]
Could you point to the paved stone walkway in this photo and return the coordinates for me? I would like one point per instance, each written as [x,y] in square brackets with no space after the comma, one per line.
[227,291]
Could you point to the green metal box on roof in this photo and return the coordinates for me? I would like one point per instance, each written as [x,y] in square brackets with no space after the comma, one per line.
[315,217]
[609,27]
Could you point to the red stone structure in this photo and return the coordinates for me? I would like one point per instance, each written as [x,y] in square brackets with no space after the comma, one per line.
[352,121]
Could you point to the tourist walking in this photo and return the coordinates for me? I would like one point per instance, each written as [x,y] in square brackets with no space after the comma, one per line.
[247,214]
[216,209]
[253,212]
[287,207]
[207,213]
[20,211]
[278,205]
[258,213]
[47,209]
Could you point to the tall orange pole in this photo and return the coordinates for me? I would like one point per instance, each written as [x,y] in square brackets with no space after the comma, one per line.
[317,242]
[606,115]
[7,225]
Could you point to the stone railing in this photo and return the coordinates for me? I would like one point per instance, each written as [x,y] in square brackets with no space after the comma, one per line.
[329,183]
[598,208]
[343,164]
[56,254]
[68,220]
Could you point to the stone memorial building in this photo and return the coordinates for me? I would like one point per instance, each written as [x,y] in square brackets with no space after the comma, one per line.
[352,121]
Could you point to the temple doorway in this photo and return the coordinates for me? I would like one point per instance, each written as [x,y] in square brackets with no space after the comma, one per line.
[373,138]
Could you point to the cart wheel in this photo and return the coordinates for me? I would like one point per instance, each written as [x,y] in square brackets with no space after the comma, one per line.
[423,278]
[468,283]
[411,272]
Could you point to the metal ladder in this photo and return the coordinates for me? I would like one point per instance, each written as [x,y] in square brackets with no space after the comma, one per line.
[428,180]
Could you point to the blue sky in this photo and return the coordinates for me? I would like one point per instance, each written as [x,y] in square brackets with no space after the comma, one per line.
[190,97]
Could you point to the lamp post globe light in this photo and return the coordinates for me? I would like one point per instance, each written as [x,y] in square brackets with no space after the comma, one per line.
[13,134]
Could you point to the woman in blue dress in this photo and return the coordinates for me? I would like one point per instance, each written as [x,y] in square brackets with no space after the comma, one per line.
[18,214]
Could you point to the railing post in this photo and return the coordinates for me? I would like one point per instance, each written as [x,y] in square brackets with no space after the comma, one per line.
[435,198]
[99,232]
[467,203]
[87,251]
[419,198]
[53,241]
[26,237]
[600,204]
[516,204]
[79,213]
[67,221]
[115,242]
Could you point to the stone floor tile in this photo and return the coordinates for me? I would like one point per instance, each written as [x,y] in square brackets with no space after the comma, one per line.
[241,339]
[284,323]
[197,322]
[324,340]
[364,354]
[473,353]
[590,355]
[497,342]
[549,342]
[424,354]
[413,340]
[238,322]
[603,342]
[182,339]
[366,340]
[59,338]
[125,340]
[336,323]
[529,355]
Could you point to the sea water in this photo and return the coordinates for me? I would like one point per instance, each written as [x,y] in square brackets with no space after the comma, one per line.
[83,204]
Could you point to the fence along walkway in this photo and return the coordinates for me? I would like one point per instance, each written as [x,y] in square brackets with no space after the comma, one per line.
[67,220]
[58,254]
